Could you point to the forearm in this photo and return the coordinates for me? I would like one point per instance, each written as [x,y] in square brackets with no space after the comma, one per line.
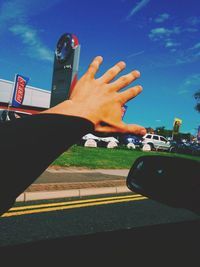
[29,145]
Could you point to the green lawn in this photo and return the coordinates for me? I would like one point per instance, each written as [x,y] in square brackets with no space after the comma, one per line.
[95,158]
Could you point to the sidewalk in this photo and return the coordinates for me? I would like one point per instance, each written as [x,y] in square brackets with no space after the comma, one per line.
[61,182]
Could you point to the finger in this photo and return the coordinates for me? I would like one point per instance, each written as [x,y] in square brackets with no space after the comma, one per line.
[94,66]
[125,80]
[112,72]
[129,94]
[122,128]
[134,129]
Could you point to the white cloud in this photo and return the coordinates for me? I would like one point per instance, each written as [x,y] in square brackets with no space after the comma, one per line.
[160,33]
[137,8]
[11,10]
[136,54]
[175,40]
[176,57]
[171,44]
[192,80]
[14,15]
[29,36]
[20,10]
[185,57]
[194,20]
[190,30]
[183,92]
[173,50]
[166,37]
[162,17]
[191,83]
[197,55]
[196,46]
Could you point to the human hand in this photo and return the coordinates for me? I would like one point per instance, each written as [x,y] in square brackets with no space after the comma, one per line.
[100,101]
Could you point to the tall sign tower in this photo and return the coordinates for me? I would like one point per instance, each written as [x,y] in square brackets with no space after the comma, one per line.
[65,69]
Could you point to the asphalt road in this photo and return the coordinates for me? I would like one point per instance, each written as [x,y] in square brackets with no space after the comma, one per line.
[120,228]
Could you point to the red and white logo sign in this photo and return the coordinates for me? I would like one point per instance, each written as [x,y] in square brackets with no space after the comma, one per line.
[20,90]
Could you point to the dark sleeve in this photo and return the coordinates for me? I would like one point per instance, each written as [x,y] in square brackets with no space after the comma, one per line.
[29,145]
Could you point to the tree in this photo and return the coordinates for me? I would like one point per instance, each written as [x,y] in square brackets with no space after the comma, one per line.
[162,131]
[197,97]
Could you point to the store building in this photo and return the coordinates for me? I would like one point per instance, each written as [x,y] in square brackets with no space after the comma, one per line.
[35,99]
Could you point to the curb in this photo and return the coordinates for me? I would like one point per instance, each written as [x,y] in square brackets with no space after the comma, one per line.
[42,195]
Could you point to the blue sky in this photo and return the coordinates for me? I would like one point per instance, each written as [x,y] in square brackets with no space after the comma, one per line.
[160,38]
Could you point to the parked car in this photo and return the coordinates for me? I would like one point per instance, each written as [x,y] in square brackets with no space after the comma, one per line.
[135,140]
[185,148]
[196,149]
[8,115]
[156,142]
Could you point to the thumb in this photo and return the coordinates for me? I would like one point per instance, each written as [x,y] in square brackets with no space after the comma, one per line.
[121,128]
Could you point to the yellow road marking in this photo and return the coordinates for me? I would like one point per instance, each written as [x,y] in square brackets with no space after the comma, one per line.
[70,202]
[75,204]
